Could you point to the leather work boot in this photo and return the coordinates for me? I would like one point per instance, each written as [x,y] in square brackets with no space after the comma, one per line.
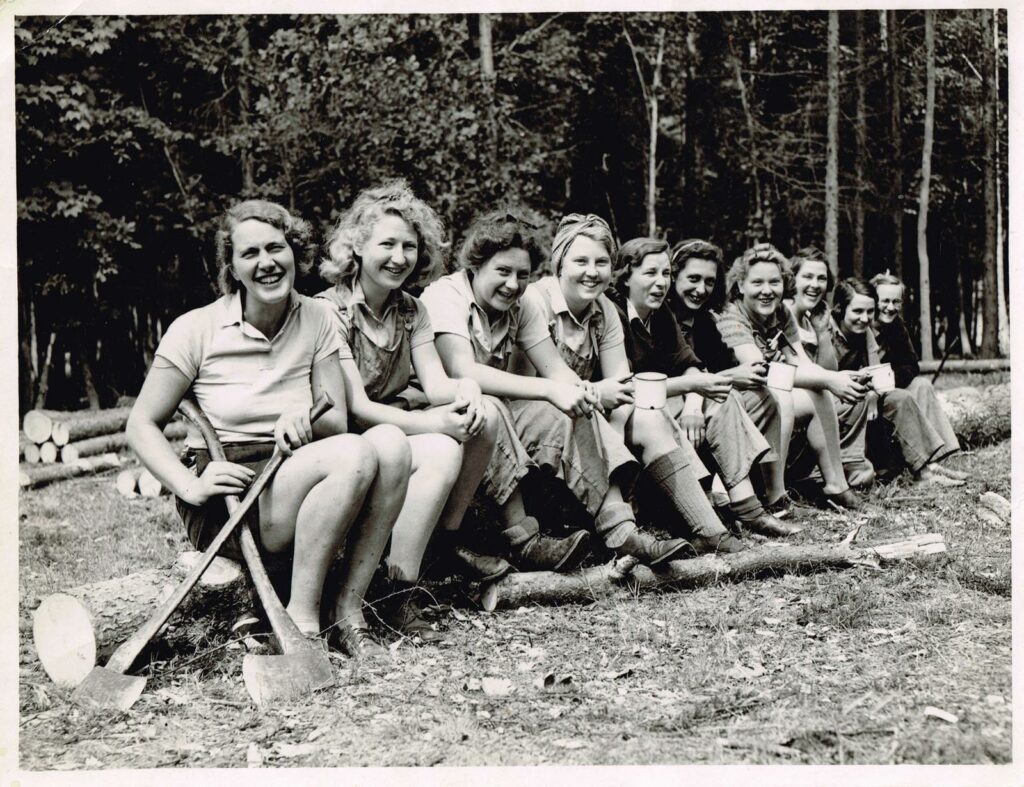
[767,525]
[848,499]
[544,553]
[650,550]
[485,568]
[403,612]
[723,542]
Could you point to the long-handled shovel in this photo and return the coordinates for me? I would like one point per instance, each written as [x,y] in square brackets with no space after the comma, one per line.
[301,668]
[109,687]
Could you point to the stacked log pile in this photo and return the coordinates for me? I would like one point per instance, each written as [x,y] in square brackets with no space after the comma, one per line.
[54,445]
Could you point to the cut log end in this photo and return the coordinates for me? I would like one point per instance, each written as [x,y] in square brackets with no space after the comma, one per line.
[60,434]
[126,481]
[48,453]
[64,639]
[37,426]
[149,485]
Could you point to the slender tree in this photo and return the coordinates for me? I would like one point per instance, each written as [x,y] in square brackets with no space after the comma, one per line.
[895,140]
[990,303]
[832,154]
[860,134]
[924,280]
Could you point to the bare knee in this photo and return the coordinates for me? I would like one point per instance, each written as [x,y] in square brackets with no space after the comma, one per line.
[355,462]
[391,448]
[652,431]
[438,457]
[489,434]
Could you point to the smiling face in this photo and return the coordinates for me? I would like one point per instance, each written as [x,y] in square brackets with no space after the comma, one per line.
[811,282]
[648,283]
[860,311]
[585,271]
[501,281]
[890,302]
[695,282]
[389,255]
[262,261]
[762,288]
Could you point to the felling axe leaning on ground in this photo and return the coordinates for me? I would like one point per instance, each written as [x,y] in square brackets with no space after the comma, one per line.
[109,687]
[302,667]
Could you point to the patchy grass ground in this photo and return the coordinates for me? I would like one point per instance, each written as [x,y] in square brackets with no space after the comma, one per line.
[834,667]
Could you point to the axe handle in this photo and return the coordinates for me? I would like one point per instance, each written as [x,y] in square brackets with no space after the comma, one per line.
[289,637]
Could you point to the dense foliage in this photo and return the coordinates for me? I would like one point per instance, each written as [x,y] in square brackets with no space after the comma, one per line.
[134,133]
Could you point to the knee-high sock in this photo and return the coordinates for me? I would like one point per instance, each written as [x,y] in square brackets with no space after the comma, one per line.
[674,478]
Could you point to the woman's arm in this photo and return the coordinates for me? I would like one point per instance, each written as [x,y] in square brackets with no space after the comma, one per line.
[162,392]
[811,376]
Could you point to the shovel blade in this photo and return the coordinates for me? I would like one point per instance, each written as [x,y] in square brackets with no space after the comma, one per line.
[107,689]
[286,677]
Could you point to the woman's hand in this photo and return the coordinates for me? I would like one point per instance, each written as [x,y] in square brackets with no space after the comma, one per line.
[693,427]
[872,405]
[615,391]
[846,387]
[219,478]
[468,391]
[293,430]
[711,386]
[574,400]
[750,375]
[452,419]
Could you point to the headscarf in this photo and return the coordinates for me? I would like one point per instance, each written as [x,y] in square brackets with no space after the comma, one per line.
[574,225]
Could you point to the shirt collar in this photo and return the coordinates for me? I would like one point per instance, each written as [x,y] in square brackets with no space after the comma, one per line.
[631,314]
[232,307]
[558,302]
[358,298]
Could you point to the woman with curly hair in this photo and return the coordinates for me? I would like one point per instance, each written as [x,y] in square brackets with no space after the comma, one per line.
[808,283]
[704,410]
[547,421]
[696,297]
[255,360]
[758,329]
[909,432]
[387,242]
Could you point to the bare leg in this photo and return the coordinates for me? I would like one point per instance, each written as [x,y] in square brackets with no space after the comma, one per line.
[816,409]
[476,453]
[775,472]
[314,500]
[370,534]
[436,459]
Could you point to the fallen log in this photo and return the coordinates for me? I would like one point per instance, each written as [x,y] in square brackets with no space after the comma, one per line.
[998,504]
[149,485]
[624,576]
[116,441]
[27,450]
[80,627]
[60,434]
[967,365]
[34,477]
[127,481]
[48,453]
[37,426]
[979,415]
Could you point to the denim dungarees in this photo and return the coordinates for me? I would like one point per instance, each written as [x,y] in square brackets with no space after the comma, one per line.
[386,370]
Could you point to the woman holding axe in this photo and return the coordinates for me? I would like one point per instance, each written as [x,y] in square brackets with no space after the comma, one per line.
[255,359]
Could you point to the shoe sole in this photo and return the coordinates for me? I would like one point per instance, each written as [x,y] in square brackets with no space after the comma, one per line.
[577,553]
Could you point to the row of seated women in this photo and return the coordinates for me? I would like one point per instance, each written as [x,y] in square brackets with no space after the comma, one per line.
[494,377]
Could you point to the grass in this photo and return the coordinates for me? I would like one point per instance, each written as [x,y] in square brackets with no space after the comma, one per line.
[834,667]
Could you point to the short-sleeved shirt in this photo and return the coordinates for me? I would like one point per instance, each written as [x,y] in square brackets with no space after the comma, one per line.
[363,333]
[855,352]
[657,344]
[895,347]
[242,380]
[453,309]
[580,340]
[737,327]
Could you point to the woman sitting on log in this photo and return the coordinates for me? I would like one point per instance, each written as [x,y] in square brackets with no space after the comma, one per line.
[548,421]
[386,242]
[703,408]
[922,438]
[758,329]
[896,348]
[808,284]
[255,359]
[586,331]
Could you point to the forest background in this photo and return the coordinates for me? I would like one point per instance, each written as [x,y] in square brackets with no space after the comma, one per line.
[878,135]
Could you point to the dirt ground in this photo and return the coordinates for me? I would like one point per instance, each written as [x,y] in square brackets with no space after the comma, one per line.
[838,667]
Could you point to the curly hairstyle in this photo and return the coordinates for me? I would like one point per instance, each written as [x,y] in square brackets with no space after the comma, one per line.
[760,252]
[845,291]
[571,227]
[631,256]
[355,225]
[796,262]
[887,278]
[499,231]
[698,249]
[297,232]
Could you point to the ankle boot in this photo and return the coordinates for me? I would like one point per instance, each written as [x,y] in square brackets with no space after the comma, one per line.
[483,568]
[544,553]
[402,611]
[652,551]
[767,525]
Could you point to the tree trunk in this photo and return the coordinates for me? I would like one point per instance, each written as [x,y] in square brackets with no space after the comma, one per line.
[35,477]
[895,143]
[44,374]
[924,281]
[112,443]
[248,183]
[81,424]
[990,303]
[75,630]
[652,142]
[832,151]
[488,78]
[624,578]
[861,133]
